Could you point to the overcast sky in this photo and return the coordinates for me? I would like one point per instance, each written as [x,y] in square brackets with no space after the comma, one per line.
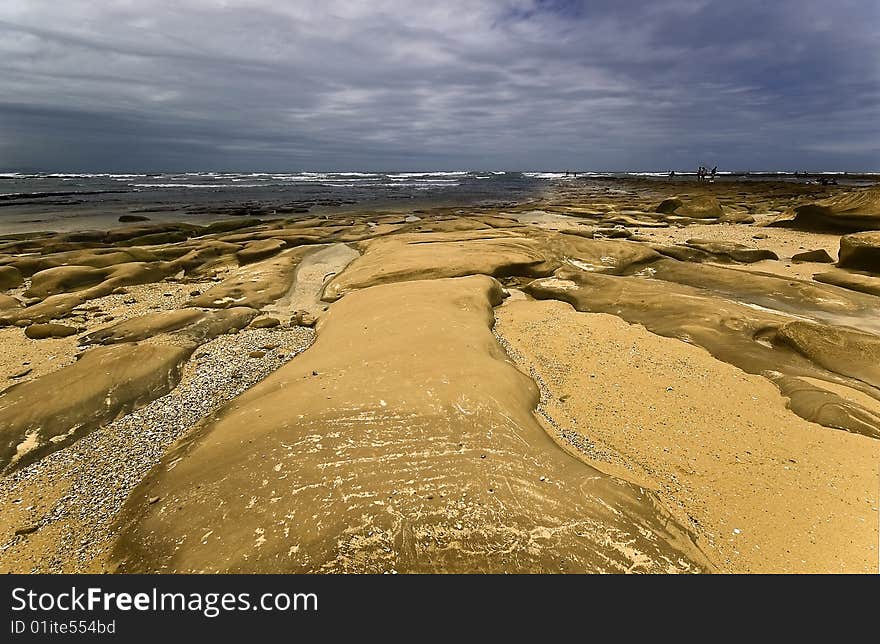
[454,84]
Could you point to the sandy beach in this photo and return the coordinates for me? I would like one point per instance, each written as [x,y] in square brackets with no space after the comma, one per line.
[616,375]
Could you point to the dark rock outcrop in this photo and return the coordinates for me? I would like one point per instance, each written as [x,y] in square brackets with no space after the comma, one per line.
[860,251]
[820,255]
[10,277]
[851,211]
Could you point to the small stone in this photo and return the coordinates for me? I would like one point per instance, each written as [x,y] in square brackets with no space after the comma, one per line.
[20,374]
[119,291]
[256,354]
[303,318]
[27,529]
[43,331]
[543,478]
[819,255]
[154,499]
[195,293]
[265,323]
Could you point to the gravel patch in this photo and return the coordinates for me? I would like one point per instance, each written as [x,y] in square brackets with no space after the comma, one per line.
[101,469]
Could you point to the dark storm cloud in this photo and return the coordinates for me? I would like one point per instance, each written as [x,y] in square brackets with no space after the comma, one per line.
[204,84]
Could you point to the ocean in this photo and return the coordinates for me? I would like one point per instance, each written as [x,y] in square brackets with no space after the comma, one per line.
[78,201]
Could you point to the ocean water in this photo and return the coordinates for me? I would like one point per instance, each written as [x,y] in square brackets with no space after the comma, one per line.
[76,201]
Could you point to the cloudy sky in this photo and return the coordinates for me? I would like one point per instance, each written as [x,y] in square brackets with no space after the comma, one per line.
[408,84]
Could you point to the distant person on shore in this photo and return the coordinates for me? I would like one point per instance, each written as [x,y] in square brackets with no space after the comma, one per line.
[714,171]
[672,174]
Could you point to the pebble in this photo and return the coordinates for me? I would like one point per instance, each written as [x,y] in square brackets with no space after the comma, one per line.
[303,318]
[103,467]
[27,529]
[265,323]
[43,331]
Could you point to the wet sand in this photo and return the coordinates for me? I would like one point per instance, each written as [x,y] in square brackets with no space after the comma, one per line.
[666,389]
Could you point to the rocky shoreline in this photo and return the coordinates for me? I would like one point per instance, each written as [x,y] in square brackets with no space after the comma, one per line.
[726,360]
